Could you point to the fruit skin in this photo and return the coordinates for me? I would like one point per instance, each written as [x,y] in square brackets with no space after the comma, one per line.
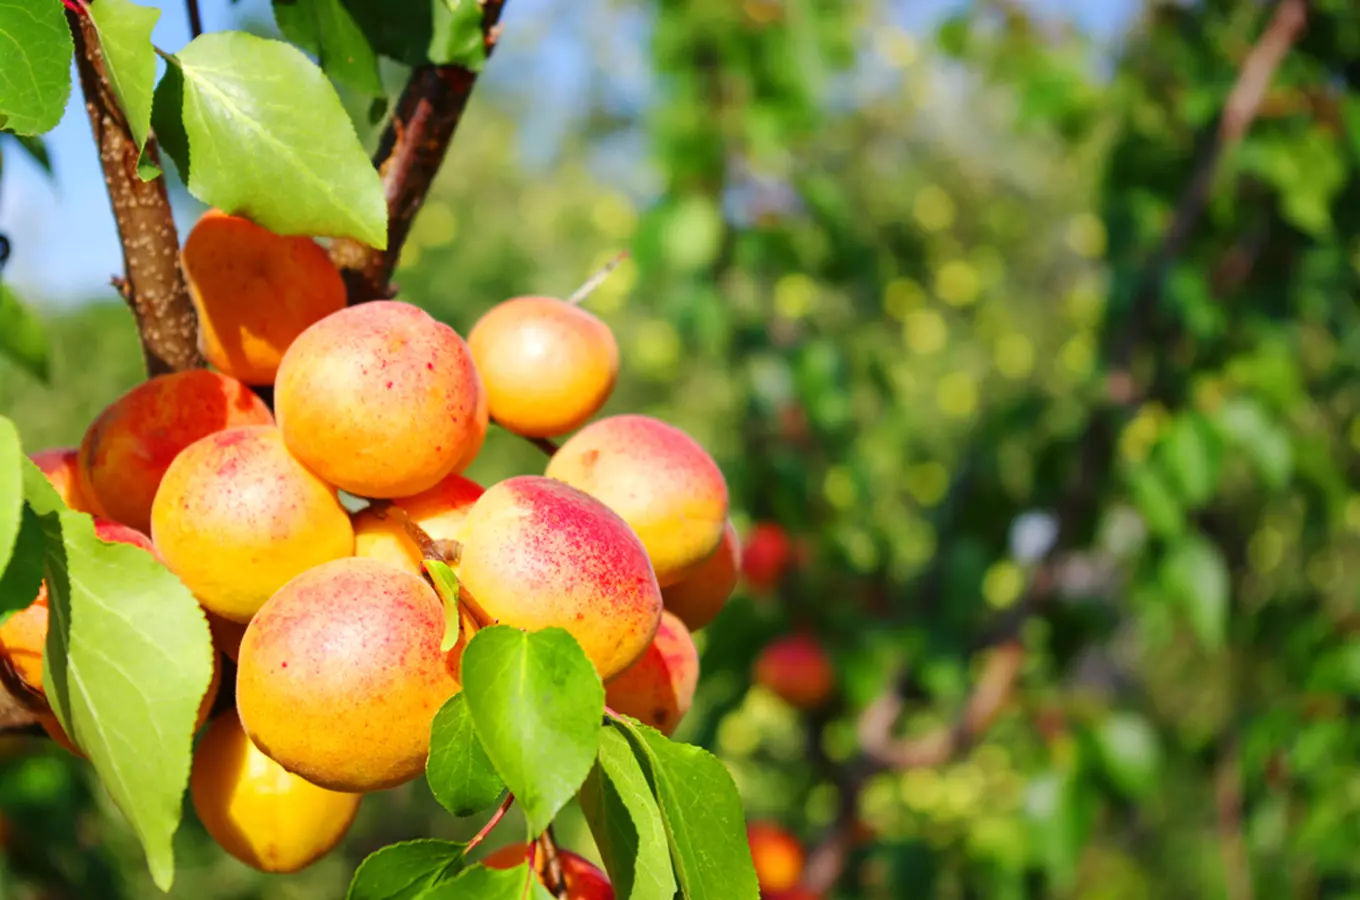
[797,669]
[701,595]
[61,465]
[766,557]
[381,400]
[548,366]
[658,478]
[777,855]
[266,817]
[584,879]
[127,449]
[340,675]
[538,553]
[658,689]
[237,516]
[254,292]
[440,511]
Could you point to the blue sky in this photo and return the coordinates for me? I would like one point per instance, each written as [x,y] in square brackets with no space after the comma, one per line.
[64,243]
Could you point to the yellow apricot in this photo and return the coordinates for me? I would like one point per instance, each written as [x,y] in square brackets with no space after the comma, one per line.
[237,516]
[700,595]
[548,366]
[265,816]
[658,689]
[440,512]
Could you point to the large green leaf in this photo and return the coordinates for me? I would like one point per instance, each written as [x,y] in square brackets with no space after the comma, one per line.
[406,871]
[457,35]
[168,120]
[482,883]
[626,823]
[271,141]
[536,701]
[461,776]
[127,661]
[23,339]
[11,488]
[21,580]
[702,813]
[399,30]
[1195,576]
[125,39]
[326,29]
[35,78]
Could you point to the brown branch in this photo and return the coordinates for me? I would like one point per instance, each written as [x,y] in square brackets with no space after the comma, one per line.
[409,155]
[195,19]
[154,286]
[1232,844]
[550,866]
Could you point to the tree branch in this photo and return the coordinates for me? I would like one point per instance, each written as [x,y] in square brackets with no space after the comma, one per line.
[409,155]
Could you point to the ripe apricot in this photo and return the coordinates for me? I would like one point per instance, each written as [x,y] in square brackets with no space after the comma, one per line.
[538,553]
[797,669]
[767,556]
[700,595]
[777,855]
[658,689]
[128,447]
[584,880]
[340,675]
[61,465]
[381,400]
[262,814]
[255,291]
[548,366]
[663,484]
[439,511]
[237,516]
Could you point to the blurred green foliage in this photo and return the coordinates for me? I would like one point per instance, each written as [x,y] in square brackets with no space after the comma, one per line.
[886,278]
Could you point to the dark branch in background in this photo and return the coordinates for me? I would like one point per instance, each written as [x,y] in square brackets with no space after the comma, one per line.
[409,155]
[153,285]
[195,19]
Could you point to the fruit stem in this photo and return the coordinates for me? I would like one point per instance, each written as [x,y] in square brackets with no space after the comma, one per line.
[554,880]
[597,279]
[491,823]
[544,444]
[445,551]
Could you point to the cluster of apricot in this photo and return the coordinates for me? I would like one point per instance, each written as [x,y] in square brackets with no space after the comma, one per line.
[336,633]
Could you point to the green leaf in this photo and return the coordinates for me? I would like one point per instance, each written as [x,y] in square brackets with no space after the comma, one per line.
[35,80]
[11,488]
[167,118]
[536,701]
[271,141]
[406,871]
[702,813]
[1195,576]
[36,148]
[626,823]
[38,491]
[21,580]
[1155,501]
[1058,810]
[23,339]
[483,883]
[457,38]
[125,39]
[1245,423]
[399,30]
[1130,752]
[326,29]
[460,774]
[127,661]
[1190,454]
[446,586]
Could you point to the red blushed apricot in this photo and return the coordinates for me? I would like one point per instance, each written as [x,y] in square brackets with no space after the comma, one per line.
[798,670]
[548,366]
[255,291]
[380,400]
[340,675]
[777,855]
[658,689]
[584,880]
[663,484]
[702,593]
[129,446]
[766,557]
[440,512]
[538,553]
[61,465]
[237,516]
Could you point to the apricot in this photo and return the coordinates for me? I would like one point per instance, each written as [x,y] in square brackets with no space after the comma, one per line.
[439,511]
[255,291]
[777,855]
[700,596]
[766,557]
[61,465]
[663,484]
[380,400]
[797,669]
[548,366]
[658,689]
[340,675]
[584,880]
[127,449]
[260,813]
[237,516]
[538,553]
[226,634]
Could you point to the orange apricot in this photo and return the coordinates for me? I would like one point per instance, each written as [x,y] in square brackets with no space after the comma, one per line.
[658,478]
[658,689]
[702,593]
[584,880]
[61,466]
[260,813]
[237,516]
[548,366]
[439,511]
[538,553]
[340,675]
[797,669]
[254,292]
[128,447]
[381,400]
[226,634]
[777,855]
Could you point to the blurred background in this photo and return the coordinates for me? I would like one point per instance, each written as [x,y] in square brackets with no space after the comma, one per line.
[1073,511]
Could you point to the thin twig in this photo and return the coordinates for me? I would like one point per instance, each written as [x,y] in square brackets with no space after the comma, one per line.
[491,823]
[441,550]
[594,281]
[195,19]
[551,866]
